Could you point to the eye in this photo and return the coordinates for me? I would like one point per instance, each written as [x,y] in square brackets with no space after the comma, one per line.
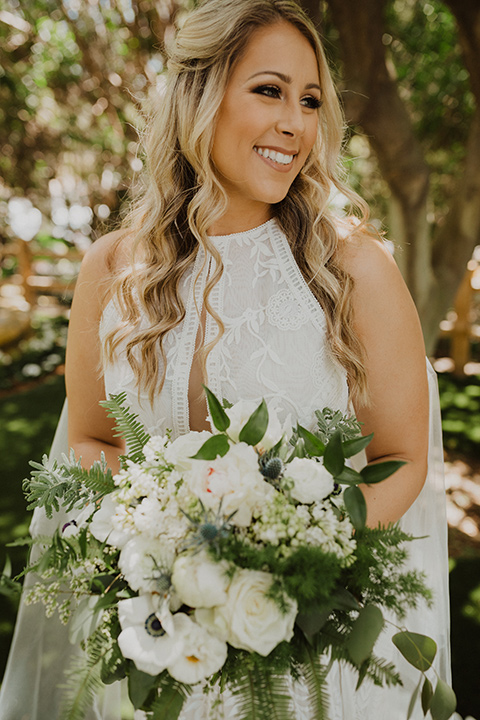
[311,102]
[271,91]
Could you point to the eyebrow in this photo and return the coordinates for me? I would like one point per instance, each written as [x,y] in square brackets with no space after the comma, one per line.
[285,78]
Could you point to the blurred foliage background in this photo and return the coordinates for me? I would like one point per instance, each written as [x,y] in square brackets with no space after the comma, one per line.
[77,80]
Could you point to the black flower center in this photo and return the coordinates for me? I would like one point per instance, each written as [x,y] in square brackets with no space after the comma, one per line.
[153,626]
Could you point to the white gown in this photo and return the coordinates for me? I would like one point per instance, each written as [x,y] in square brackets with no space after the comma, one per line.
[274,346]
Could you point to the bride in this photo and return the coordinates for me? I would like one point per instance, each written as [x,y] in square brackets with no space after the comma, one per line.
[233,270]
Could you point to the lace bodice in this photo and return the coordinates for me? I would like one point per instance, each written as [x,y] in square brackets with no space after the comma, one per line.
[274,344]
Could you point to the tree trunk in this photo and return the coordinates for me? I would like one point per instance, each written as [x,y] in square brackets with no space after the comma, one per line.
[371,99]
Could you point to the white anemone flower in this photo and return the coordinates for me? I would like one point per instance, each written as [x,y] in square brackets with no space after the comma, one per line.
[202,653]
[144,638]
[144,561]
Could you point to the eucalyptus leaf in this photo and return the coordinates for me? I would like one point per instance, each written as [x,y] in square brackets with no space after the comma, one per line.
[419,650]
[219,417]
[365,631]
[356,506]
[427,694]
[348,476]
[377,472]
[333,458]
[256,425]
[413,699]
[140,685]
[356,445]
[215,446]
[444,702]
[313,445]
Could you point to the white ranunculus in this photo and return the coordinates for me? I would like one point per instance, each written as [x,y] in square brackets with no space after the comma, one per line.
[234,479]
[143,638]
[102,524]
[254,621]
[239,414]
[202,655]
[312,481]
[184,447]
[143,559]
[200,581]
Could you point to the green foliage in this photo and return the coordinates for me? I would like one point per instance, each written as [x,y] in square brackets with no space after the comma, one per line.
[127,426]
[67,484]
[216,446]
[84,678]
[329,421]
[315,675]
[219,416]
[419,650]
[460,405]
[256,426]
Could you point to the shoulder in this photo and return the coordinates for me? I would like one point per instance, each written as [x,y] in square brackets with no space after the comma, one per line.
[104,259]
[365,256]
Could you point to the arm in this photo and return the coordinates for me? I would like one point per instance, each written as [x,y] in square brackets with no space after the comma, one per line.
[90,431]
[387,324]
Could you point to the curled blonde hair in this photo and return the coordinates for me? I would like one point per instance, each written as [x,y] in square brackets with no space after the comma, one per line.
[183,195]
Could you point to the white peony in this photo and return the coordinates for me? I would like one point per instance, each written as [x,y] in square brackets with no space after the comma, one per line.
[180,452]
[250,620]
[202,655]
[234,479]
[102,525]
[239,414]
[144,639]
[312,481]
[200,581]
[143,560]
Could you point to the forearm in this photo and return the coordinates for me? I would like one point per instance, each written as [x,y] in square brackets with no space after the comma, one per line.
[388,500]
[90,450]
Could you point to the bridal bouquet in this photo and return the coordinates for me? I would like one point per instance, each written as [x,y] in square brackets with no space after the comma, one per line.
[234,558]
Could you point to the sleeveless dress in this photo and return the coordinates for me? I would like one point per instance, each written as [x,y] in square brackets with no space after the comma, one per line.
[274,346]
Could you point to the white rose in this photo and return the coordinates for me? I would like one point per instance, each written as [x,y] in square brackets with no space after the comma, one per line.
[234,480]
[253,621]
[202,655]
[312,481]
[184,447]
[239,414]
[143,560]
[144,638]
[102,525]
[200,581]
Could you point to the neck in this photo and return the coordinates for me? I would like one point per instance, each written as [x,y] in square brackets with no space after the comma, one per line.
[235,221]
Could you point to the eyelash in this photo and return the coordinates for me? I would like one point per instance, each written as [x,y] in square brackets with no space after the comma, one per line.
[274,92]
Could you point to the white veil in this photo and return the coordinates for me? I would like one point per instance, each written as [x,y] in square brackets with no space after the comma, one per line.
[41,649]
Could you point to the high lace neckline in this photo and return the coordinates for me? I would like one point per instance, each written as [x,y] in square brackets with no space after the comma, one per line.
[243,233]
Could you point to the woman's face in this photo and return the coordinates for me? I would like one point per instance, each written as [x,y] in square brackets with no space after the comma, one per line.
[267,122]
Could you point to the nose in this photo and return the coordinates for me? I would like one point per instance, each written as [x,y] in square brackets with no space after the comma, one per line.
[291,121]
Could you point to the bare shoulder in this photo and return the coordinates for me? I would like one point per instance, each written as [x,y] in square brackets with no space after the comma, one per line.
[104,259]
[366,257]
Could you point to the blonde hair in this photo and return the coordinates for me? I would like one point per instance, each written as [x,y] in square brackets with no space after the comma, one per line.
[183,195]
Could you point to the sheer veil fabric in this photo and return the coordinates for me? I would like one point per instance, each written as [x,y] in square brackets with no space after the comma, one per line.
[274,346]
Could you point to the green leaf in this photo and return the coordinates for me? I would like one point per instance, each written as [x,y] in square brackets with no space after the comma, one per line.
[128,426]
[413,699]
[169,705]
[444,702]
[380,471]
[353,447]
[365,631]
[298,451]
[212,448]
[348,476]
[313,445]
[219,417]
[418,650]
[333,458]
[356,506]
[140,685]
[256,426]
[427,694]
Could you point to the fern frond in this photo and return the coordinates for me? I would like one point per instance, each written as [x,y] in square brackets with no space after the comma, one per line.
[98,480]
[128,426]
[315,674]
[248,693]
[382,672]
[83,679]
[261,694]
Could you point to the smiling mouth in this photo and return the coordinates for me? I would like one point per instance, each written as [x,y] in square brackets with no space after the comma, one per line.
[274,155]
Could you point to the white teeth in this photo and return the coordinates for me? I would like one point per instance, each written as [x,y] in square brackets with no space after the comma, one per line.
[277,157]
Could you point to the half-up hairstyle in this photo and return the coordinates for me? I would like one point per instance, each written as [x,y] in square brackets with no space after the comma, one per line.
[183,196]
